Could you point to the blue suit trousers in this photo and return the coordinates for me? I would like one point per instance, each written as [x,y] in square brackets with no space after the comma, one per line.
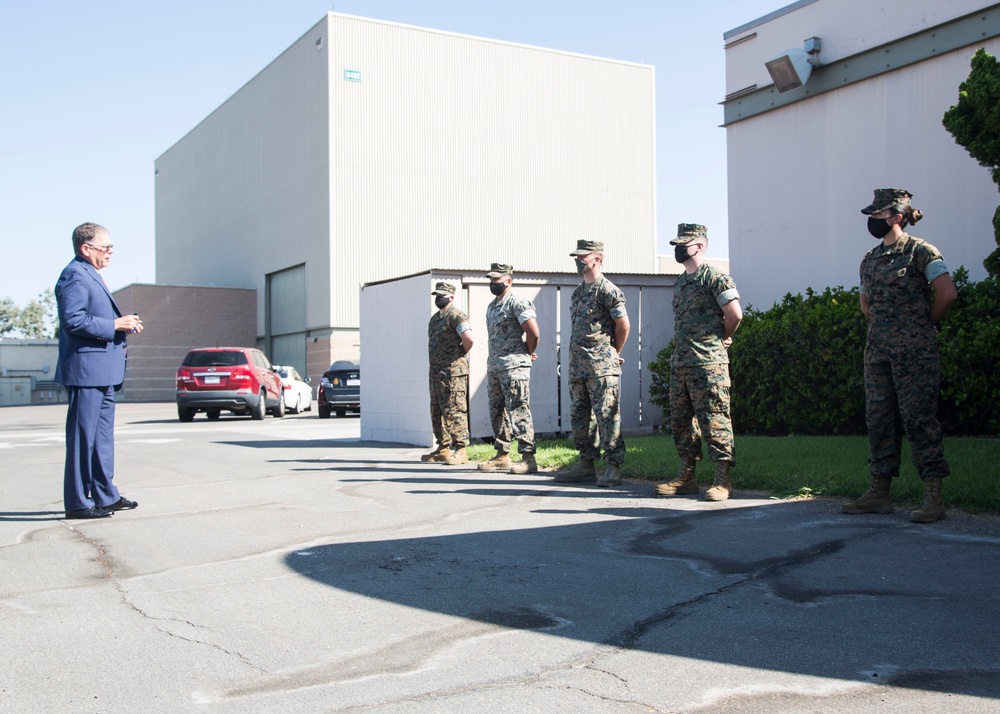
[90,448]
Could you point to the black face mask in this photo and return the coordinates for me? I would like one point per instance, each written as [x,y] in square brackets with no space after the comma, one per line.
[497,288]
[442,301]
[580,267]
[879,227]
[681,253]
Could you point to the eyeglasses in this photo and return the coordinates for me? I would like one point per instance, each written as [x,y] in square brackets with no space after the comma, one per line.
[103,248]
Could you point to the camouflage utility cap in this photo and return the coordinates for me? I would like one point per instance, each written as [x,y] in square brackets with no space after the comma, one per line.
[687,232]
[888,198]
[443,289]
[499,270]
[586,247]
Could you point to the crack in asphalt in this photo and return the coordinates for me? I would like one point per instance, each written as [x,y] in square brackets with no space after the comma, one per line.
[109,575]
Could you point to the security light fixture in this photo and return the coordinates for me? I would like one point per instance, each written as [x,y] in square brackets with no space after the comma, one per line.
[791,69]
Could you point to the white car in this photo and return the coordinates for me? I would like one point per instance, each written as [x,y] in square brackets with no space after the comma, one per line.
[297,393]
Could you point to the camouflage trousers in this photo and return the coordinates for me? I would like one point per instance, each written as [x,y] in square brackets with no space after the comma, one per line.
[450,409]
[699,407]
[510,409]
[595,413]
[903,397]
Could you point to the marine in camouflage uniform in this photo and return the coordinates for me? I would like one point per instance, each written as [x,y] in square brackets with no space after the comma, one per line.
[513,335]
[600,328]
[902,366]
[699,366]
[448,341]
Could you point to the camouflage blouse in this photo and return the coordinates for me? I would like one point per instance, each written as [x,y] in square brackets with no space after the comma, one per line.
[593,310]
[444,342]
[504,317]
[698,323]
[896,280]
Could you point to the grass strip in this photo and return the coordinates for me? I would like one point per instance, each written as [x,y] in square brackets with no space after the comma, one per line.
[795,466]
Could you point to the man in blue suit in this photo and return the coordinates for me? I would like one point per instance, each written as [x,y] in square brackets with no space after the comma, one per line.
[92,366]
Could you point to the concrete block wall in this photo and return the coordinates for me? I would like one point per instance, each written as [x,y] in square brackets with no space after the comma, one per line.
[395,405]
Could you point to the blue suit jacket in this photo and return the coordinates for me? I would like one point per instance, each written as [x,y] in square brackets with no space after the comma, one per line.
[91,352]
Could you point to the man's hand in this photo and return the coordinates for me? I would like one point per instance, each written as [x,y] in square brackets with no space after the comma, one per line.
[128,323]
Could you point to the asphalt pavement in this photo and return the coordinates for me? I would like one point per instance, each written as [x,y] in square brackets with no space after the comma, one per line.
[286,566]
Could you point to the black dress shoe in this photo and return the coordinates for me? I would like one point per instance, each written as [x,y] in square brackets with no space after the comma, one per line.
[92,512]
[122,504]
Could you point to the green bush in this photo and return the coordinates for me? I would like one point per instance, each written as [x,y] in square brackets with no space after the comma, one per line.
[798,367]
[969,340]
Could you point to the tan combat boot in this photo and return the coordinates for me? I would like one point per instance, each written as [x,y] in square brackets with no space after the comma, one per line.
[526,465]
[612,476]
[875,500]
[458,457]
[684,483]
[722,487]
[500,462]
[439,454]
[583,471]
[932,509]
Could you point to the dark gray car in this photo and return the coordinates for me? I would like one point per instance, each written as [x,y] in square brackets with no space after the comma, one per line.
[340,389]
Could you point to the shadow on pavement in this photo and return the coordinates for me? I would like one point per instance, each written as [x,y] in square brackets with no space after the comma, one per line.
[791,586]
[28,516]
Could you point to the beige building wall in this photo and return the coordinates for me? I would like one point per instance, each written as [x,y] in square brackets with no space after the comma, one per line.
[370,150]
[800,171]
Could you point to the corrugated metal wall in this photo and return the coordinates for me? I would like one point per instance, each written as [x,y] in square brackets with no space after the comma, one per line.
[246,192]
[370,150]
[450,151]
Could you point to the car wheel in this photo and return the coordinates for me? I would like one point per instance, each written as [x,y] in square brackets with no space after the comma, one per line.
[258,412]
[279,410]
[298,405]
[185,414]
[324,412]
[213,414]
[341,413]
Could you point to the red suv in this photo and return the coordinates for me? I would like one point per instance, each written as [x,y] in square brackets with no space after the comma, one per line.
[237,379]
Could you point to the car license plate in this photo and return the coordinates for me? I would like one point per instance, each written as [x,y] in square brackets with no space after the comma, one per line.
[212,379]
[353,382]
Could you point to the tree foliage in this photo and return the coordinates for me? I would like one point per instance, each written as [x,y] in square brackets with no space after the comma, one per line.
[37,320]
[9,316]
[968,339]
[975,124]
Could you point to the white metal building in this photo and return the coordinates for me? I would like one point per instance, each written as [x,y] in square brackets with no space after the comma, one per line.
[370,150]
[803,163]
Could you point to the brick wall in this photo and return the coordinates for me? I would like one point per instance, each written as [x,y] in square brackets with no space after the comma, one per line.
[175,320]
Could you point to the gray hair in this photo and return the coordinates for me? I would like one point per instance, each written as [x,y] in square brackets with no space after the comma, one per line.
[86,233]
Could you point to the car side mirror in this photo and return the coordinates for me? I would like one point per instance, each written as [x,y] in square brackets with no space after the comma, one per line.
[307,380]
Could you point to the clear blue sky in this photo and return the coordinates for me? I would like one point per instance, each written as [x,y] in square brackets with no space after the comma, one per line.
[94,92]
